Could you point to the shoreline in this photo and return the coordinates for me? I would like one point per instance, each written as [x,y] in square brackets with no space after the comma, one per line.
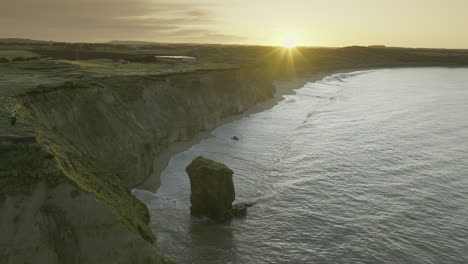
[283,87]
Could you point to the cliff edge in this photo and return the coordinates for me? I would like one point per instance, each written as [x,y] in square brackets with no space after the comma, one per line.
[47,218]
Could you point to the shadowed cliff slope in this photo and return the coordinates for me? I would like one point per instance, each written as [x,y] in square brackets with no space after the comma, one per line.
[46,218]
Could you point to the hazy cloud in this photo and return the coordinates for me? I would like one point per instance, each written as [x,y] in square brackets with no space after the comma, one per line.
[200,35]
[101,20]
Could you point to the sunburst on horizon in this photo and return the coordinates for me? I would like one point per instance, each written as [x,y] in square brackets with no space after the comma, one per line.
[289,42]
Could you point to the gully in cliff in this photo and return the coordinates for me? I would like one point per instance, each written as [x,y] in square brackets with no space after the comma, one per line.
[213,191]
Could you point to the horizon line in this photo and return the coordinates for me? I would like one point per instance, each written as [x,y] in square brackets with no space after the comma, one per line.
[208,43]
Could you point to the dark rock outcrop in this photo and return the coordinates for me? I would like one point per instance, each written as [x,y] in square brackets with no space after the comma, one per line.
[212,189]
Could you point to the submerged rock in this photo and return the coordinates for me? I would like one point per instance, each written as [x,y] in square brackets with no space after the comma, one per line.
[212,189]
[240,209]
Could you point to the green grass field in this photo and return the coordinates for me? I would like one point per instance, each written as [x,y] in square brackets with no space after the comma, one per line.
[10,54]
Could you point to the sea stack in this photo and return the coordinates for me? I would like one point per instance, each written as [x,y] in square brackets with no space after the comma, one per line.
[212,189]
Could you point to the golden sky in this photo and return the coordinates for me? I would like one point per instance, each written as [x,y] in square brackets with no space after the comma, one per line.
[408,23]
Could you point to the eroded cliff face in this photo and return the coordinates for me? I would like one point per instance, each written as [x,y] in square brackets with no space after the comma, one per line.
[123,123]
[46,218]
[103,137]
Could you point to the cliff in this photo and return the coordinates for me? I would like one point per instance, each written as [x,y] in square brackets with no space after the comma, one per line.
[123,123]
[101,138]
[46,218]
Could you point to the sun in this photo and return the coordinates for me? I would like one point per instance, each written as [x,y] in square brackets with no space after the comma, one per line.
[289,43]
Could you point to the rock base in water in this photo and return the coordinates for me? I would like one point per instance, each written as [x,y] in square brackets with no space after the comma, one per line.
[240,209]
[212,189]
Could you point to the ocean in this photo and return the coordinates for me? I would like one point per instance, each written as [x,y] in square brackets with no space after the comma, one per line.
[361,167]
